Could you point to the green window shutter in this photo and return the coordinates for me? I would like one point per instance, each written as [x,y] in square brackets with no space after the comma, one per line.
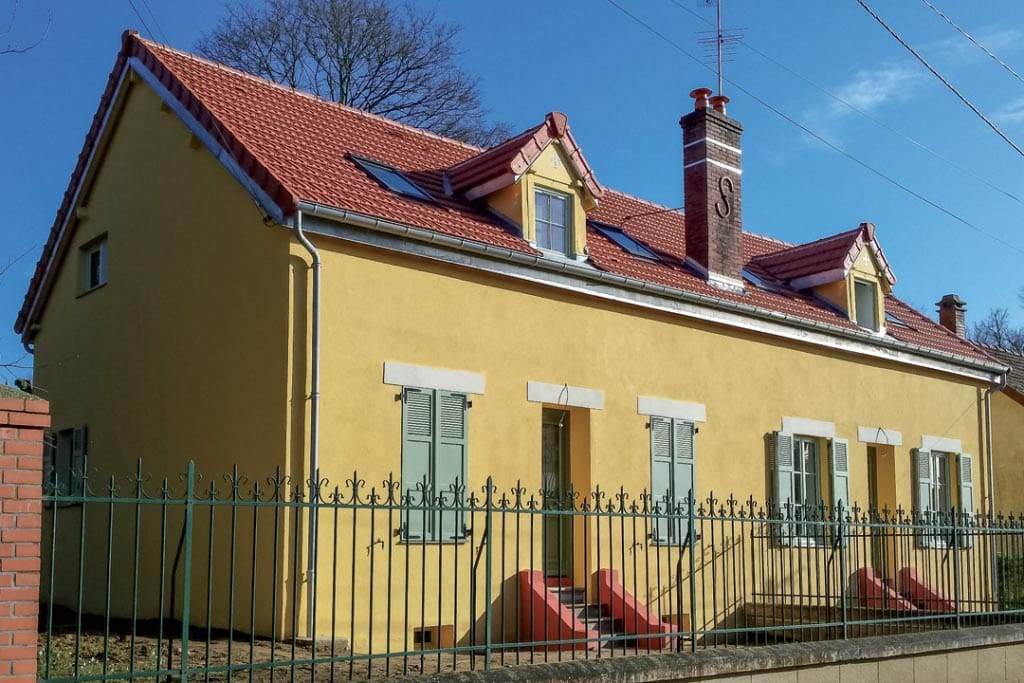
[662,497]
[923,494]
[967,497]
[839,456]
[417,454]
[49,461]
[450,466]
[784,469]
[684,476]
[79,453]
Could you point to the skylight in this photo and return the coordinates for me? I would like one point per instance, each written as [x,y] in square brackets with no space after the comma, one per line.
[391,178]
[631,245]
[891,318]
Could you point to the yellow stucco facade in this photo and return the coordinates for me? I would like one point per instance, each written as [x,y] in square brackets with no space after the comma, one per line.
[1008,452]
[198,348]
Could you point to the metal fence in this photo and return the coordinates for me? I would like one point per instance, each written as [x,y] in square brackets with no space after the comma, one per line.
[192,577]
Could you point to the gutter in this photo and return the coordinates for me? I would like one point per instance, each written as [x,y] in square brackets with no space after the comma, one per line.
[587,272]
[314,419]
[991,477]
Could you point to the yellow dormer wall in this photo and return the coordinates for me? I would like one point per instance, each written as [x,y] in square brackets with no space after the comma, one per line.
[837,293]
[841,293]
[866,268]
[551,171]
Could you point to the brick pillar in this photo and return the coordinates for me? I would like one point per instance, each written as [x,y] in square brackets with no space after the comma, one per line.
[22,420]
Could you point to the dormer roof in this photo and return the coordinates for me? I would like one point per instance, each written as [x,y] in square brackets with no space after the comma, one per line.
[822,261]
[502,165]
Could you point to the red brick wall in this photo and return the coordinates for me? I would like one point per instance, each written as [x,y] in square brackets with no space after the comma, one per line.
[22,422]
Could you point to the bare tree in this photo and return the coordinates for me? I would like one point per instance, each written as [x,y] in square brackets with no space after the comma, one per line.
[370,54]
[995,330]
[19,48]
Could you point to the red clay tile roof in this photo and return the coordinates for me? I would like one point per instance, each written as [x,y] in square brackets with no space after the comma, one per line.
[297,147]
[512,157]
[1015,361]
[835,253]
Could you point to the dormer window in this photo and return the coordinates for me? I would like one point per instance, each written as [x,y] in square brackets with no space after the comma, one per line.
[553,221]
[865,296]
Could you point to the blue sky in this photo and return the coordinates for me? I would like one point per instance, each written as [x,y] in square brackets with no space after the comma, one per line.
[624,89]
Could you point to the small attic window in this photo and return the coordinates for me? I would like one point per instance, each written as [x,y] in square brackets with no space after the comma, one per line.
[865,296]
[391,178]
[892,319]
[631,245]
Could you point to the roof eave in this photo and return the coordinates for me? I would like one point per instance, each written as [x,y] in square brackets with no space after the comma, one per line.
[977,369]
[271,195]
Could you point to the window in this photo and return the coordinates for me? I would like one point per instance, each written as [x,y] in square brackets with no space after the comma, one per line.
[630,244]
[800,490]
[673,467]
[434,450]
[391,178]
[806,484]
[64,462]
[933,499]
[94,264]
[866,304]
[553,216]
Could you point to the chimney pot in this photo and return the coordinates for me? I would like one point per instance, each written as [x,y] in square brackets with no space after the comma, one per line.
[718,103]
[953,314]
[700,97]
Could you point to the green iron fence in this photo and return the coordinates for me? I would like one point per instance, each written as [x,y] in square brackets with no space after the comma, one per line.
[210,578]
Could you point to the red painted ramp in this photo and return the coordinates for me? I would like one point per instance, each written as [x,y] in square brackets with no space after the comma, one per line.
[636,618]
[876,594]
[543,617]
[923,595]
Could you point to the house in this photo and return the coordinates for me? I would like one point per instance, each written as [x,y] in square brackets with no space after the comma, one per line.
[1008,434]
[1006,406]
[243,274]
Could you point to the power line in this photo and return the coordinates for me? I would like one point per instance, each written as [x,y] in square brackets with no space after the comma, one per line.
[877,121]
[817,137]
[935,73]
[156,22]
[969,37]
[143,21]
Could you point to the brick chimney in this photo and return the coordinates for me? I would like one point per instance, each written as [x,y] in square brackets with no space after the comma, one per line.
[712,190]
[952,314]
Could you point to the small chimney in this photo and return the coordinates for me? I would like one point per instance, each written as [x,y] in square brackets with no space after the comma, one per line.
[952,314]
[712,190]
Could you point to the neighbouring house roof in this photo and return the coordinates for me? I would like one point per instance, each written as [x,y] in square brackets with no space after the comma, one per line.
[1015,361]
[295,147]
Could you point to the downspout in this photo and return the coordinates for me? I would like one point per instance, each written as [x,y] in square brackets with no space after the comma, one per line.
[991,480]
[314,419]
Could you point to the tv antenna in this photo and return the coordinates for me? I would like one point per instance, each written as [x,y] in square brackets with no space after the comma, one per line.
[719,44]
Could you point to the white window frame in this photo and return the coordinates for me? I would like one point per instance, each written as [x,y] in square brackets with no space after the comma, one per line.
[939,498]
[97,247]
[941,501]
[801,477]
[874,304]
[568,217]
